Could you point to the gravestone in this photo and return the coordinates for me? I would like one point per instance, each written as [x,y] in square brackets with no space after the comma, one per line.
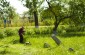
[46,45]
[71,49]
[27,43]
[56,39]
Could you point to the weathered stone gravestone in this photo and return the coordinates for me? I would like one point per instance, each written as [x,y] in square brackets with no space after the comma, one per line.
[27,43]
[71,49]
[56,39]
[46,45]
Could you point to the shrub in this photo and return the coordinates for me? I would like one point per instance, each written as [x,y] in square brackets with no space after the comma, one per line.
[61,29]
[2,34]
[75,29]
[30,31]
[37,30]
[9,32]
[43,30]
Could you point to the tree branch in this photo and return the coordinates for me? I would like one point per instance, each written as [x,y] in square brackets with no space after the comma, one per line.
[64,18]
[51,8]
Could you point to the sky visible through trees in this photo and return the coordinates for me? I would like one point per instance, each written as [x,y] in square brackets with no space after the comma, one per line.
[18,6]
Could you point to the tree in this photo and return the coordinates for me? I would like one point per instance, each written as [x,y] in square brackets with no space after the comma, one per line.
[25,16]
[46,13]
[11,14]
[75,12]
[33,6]
[78,9]
[7,12]
[3,8]
[59,15]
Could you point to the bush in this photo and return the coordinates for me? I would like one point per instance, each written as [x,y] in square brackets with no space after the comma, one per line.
[61,29]
[2,34]
[43,30]
[75,29]
[9,32]
[30,31]
[46,30]
[37,31]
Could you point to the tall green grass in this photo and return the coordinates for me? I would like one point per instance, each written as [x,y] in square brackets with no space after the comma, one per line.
[64,31]
[11,46]
[9,42]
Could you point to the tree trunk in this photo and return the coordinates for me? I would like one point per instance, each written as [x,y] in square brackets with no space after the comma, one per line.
[35,13]
[55,33]
[4,23]
[55,27]
[36,19]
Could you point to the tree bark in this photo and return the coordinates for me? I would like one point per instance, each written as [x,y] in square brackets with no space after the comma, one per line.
[36,19]
[35,13]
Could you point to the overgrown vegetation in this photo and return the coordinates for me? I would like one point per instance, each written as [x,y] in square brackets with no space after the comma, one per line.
[62,30]
[64,18]
[11,46]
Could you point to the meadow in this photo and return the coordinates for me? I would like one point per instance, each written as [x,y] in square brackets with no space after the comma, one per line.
[9,42]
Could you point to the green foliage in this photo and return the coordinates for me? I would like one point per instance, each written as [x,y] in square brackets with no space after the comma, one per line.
[75,29]
[11,13]
[77,8]
[3,7]
[44,30]
[37,37]
[46,14]
[9,32]
[6,10]
[2,34]
[33,5]
[48,22]
[62,29]
[30,32]
[74,11]
[36,47]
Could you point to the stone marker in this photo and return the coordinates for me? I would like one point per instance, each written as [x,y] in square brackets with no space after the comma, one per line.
[46,45]
[27,43]
[56,39]
[71,49]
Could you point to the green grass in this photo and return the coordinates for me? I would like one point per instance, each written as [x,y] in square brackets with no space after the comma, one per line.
[11,46]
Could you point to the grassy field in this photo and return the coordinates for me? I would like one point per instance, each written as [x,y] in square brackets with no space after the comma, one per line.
[11,46]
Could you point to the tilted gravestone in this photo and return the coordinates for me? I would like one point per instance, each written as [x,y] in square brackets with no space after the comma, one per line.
[56,39]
